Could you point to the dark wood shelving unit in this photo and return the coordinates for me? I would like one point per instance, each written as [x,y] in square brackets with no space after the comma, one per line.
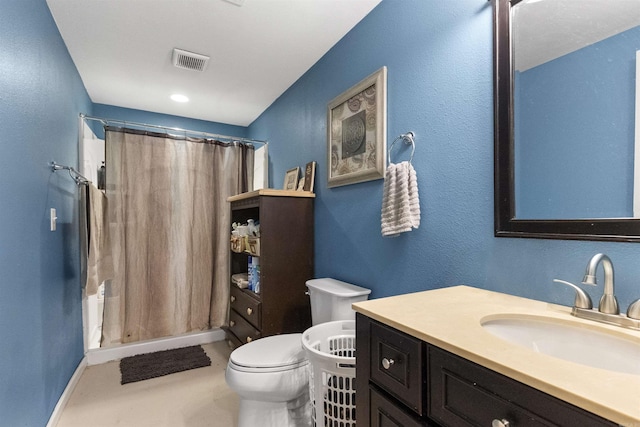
[286,263]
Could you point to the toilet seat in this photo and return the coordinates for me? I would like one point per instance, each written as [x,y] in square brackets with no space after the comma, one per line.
[271,354]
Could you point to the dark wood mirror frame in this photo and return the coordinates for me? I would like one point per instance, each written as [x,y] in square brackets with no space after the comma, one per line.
[506,225]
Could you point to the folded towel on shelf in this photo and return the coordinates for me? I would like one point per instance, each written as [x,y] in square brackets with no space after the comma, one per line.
[241,280]
[400,202]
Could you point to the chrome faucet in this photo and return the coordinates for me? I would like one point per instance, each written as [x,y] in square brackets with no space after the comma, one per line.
[608,311]
[608,302]
[583,300]
[633,312]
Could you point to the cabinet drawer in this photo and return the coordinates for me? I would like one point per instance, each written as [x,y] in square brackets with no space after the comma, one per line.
[397,365]
[241,328]
[384,412]
[247,306]
[462,393]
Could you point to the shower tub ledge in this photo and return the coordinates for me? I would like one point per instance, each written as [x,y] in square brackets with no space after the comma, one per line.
[102,355]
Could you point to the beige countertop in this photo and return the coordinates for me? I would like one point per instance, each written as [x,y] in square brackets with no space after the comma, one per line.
[451,318]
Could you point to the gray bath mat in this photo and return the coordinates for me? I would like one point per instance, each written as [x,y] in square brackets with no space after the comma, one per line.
[160,363]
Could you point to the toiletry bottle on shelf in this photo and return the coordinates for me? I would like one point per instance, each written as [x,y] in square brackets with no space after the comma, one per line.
[101,177]
[250,272]
[256,275]
[252,228]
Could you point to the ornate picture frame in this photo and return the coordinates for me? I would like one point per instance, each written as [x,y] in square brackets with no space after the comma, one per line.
[357,132]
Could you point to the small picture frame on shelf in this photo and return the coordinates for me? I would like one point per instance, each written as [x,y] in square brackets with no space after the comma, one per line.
[309,176]
[291,178]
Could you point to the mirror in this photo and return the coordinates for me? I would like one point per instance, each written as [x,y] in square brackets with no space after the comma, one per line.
[564,135]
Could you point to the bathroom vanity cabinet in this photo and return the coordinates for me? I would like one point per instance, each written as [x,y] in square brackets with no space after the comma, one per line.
[286,263]
[403,381]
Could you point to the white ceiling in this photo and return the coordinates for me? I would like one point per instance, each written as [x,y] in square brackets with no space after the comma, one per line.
[548,29]
[123,48]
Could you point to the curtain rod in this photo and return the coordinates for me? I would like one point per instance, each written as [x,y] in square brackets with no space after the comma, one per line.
[185,131]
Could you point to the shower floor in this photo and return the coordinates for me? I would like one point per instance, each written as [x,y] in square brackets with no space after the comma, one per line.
[195,398]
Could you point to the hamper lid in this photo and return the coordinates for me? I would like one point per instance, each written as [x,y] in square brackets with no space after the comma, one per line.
[337,287]
[271,352]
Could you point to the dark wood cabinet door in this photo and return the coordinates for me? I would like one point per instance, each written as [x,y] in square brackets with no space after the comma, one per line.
[385,412]
[462,393]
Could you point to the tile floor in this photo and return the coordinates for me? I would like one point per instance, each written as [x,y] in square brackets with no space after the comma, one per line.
[196,398]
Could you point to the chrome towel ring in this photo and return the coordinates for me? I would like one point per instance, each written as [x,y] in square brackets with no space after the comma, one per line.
[408,139]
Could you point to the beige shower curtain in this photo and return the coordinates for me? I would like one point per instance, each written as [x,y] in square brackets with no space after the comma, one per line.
[170,225]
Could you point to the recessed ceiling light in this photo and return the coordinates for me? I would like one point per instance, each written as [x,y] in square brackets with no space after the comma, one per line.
[179,98]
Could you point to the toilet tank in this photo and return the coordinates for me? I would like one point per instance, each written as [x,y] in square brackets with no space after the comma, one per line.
[331,299]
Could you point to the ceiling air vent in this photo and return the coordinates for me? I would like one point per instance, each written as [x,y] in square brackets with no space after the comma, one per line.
[189,60]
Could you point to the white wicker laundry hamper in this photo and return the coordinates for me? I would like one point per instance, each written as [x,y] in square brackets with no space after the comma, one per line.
[331,348]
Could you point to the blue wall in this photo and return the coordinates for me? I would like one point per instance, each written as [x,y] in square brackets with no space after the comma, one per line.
[575,132]
[40,291]
[439,59]
[41,95]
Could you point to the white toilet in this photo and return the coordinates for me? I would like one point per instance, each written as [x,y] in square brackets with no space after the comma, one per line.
[271,374]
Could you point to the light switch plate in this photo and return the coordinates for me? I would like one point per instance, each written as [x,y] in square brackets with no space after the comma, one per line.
[53,219]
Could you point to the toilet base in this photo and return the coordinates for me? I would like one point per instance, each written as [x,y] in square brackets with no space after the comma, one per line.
[296,413]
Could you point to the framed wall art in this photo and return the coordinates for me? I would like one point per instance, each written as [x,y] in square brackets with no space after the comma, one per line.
[357,132]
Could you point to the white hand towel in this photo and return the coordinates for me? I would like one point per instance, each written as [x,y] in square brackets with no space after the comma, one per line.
[400,202]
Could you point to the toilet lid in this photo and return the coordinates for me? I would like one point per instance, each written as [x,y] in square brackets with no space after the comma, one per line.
[278,351]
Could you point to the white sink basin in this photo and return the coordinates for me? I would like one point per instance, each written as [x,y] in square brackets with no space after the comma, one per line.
[573,343]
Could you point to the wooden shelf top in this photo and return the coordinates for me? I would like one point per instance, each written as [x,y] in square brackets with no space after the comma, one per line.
[271,192]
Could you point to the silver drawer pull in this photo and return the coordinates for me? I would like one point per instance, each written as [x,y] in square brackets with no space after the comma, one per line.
[500,423]
[249,340]
[233,299]
[232,323]
[249,311]
[387,363]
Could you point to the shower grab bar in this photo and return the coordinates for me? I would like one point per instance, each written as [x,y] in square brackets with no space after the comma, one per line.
[74,174]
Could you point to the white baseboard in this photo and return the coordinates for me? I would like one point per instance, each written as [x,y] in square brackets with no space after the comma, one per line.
[66,394]
[103,355]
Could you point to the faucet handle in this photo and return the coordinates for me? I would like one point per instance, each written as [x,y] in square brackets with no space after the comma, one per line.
[633,311]
[583,300]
